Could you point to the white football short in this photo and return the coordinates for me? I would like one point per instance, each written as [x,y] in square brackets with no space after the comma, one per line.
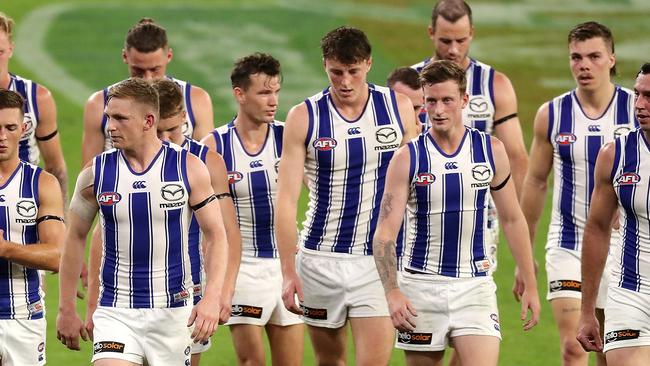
[258,294]
[448,307]
[22,342]
[627,321]
[337,286]
[159,336]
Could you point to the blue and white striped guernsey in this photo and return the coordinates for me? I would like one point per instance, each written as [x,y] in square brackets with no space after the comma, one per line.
[576,140]
[479,111]
[27,147]
[632,185]
[253,180]
[188,126]
[448,206]
[20,296]
[345,167]
[145,221]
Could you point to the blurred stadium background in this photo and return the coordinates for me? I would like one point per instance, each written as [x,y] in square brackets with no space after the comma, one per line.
[73,48]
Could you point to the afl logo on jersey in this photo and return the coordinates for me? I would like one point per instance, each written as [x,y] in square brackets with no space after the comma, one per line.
[109,198]
[29,127]
[234,177]
[424,179]
[628,178]
[324,144]
[565,138]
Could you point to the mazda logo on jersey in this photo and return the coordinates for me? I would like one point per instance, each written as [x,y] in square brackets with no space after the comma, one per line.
[324,144]
[386,135]
[565,138]
[481,173]
[140,184]
[26,208]
[621,131]
[172,192]
[234,177]
[628,178]
[109,198]
[424,179]
[478,104]
[256,164]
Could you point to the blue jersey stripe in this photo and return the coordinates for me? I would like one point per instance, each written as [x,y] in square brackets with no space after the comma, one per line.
[217,142]
[141,247]
[630,245]
[594,143]
[278,131]
[622,112]
[451,218]
[6,305]
[477,89]
[175,255]
[478,237]
[568,235]
[351,198]
[106,174]
[551,118]
[263,213]
[188,104]
[421,226]
[310,123]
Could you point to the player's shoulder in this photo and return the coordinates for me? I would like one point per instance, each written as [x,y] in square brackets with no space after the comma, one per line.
[624,90]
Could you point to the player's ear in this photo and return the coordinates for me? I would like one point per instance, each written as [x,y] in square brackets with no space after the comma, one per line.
[125,57]
[465,99]
[238,93]
[149,121]
[369,63]
[430,31]
[170,54]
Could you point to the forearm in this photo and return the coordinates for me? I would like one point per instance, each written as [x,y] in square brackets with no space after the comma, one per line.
[516,235]
[94,262]
[70,269]
[595,245]
[44,256]
[386,262]
[234,259]
[286,236]
[532,200]
[519,165]
[216,262]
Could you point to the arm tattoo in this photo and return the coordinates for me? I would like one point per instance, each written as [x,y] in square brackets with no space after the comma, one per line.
[386,205]
[386,262]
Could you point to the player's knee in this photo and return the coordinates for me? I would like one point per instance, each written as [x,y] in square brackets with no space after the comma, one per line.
[571,351]
[329,359]
[250,360]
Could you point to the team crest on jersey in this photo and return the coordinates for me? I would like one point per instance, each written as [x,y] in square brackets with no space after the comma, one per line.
[623,130]
[628,178]
[424,179]
[234,177]
[172,192]
[481,174]
[478,108]
[565,138]
[26,208]
[29,127]
[109,198]
[324,144]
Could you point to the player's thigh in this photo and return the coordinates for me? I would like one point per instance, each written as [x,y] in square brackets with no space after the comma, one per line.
[477,350]
[113,362]
[248,342]
[373,339]
[328,343]
[630,356]
[418,358]
[22,342]
[287,343]
[566,312]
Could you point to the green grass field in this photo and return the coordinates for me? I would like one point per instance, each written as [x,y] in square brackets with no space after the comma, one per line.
[73,48]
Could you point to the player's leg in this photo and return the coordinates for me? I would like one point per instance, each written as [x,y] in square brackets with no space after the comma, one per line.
[454,360]
[114,362]
[330,345]
[629,356]
[477,350]
[117,337]
[415,358]
[249,344]
[566,312]
[196,359]
[287,344]
[22,342]
[600,357]
[373,340]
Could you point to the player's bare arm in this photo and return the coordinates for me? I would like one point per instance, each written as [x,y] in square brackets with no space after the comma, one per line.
[203,114]
[595,245]
[536,182]
[83,209]
[92,143]
[46,253]
[205,314]
[393,206]
[219,178]
[514,227]
[508,128]
[405,110]
[48,140]
[290,177]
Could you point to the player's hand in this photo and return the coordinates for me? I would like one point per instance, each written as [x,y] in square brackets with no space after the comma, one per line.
[402,312]
[205,318]
[226,305]
[291,286]
[68,329]
[530,301]
[589,333]
[518,286]
[83,276]
[89,324]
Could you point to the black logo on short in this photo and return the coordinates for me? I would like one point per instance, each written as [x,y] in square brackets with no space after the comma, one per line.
[564,285]
[108,346]
[386,135]
[313,313]
[247,311]
[621,335]
[187,351]
[478,104]
[481,173]
[26,208]
[172,192]
[414,338]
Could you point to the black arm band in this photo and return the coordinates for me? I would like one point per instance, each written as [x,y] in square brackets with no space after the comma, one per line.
[503,184]
[45,138]
[49,217]
[221,196]
[199,205]
[503,119]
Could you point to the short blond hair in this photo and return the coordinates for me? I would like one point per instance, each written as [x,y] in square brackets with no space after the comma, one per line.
[6,24]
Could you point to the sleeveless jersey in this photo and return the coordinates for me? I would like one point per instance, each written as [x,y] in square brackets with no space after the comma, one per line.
[188,126]
[27,147]
[448,206]
[252,178]
[576,140]
[20,296]
[145,220]
[632,186]
[345,167]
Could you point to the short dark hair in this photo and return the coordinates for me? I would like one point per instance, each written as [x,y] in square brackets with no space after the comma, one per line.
[347,45]
[405,75]
[170,97]
[589,30]
[451,11]
[11,100]
[146,36]
[138,90]
[240,77]
[644,70]
[443,70]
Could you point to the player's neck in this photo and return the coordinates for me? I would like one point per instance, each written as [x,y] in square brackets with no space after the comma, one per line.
[251,133]
[351,109]
[463,64]
[448,140]
[140,157]
[7,167]
[594,102]
[5,78]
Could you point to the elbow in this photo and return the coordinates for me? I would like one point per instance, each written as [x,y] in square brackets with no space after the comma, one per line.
[54,264]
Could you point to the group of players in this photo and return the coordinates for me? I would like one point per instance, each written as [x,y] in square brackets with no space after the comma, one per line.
[402,225]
